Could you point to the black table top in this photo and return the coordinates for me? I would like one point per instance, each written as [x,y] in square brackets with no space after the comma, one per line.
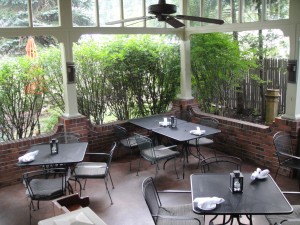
[152,122]
[182,133]
[258,197]
[68,154]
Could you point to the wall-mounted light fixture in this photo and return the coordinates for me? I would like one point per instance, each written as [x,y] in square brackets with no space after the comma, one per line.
[71,77]
[292,71]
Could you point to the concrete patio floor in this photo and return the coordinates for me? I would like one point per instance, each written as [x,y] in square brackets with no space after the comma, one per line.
[129,207]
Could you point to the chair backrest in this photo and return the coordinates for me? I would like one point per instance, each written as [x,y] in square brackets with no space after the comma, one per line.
[45,184]
[283,144]
[64,138]
[184,115]
[120,132]
[221,164]
[144,144]
[151,197]
[111,153]
[209,121]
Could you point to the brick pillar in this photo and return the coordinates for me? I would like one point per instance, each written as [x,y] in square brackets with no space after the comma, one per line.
[184,104]
[77,125]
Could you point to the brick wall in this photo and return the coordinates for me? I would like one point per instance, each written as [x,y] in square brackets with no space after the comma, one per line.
[249,141]
[252,142]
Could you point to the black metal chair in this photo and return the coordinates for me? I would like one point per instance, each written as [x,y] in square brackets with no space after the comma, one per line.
[168,215]
[285,153]
[289,219]
[220,164]
[125,140]
[64,138]
[44,185]
[153,153]
[203,141]
[95,170]
[184,115]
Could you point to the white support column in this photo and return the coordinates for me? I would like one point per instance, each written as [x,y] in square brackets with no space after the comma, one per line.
[185,61]
[293,89]
[293,95]
[66,44]
[70,93]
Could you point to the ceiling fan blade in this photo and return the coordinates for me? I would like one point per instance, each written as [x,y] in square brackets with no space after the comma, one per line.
[130,20]
[200,19]
[174,22]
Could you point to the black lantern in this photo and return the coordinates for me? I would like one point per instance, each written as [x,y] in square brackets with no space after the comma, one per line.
[292,71]
[236,181]
[71,77]
[54,146]
[173,122]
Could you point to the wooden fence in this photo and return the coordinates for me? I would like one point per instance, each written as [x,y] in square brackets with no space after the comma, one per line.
[275,76]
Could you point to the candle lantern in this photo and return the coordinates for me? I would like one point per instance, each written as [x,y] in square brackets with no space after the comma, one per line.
[236,181]
[173,122]
[54,146]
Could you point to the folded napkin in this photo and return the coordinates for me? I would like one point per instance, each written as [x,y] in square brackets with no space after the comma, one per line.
[198,131]
[28,157]
[164,123]
[207,203]
[259,174]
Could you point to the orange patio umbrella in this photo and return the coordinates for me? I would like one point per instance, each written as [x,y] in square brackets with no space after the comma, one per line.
[31,48]
[31,52]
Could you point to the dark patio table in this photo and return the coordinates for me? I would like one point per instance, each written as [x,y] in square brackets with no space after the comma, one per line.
[70,153]
[259,197]
[152,122]
[182,134]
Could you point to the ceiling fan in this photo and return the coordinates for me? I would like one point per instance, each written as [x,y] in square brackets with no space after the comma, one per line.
[162,11]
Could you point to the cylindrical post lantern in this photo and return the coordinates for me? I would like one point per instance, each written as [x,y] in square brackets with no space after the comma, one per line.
[272,100]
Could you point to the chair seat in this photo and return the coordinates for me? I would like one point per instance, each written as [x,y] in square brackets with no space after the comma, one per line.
[201,141]
[130,142]
[272,219]
[90,169]
[160,154]
[185,210]
[292,163]
[44,189]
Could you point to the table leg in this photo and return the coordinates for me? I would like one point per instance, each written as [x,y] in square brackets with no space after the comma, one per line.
[230,220]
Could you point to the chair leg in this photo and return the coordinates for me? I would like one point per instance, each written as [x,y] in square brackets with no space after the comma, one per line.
[31,206]
[130,158]
[105,181]
[111,180]
[137,172]
[175,167]
[70,189]
[84,184]
[157,168]
[276,172]
[80,186]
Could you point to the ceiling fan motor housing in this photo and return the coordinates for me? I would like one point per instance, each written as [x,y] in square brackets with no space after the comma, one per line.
[159,9]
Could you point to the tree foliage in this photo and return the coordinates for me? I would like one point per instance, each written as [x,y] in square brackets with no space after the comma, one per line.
[217,66]
[135,76]
[22,94]
[126,77]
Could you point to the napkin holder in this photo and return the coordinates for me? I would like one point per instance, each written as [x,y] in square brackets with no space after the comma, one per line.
[54,146]
[173,121]
[236,181]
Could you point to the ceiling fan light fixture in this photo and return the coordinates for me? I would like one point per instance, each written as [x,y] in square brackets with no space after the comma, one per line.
[158,9]
[162,12]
